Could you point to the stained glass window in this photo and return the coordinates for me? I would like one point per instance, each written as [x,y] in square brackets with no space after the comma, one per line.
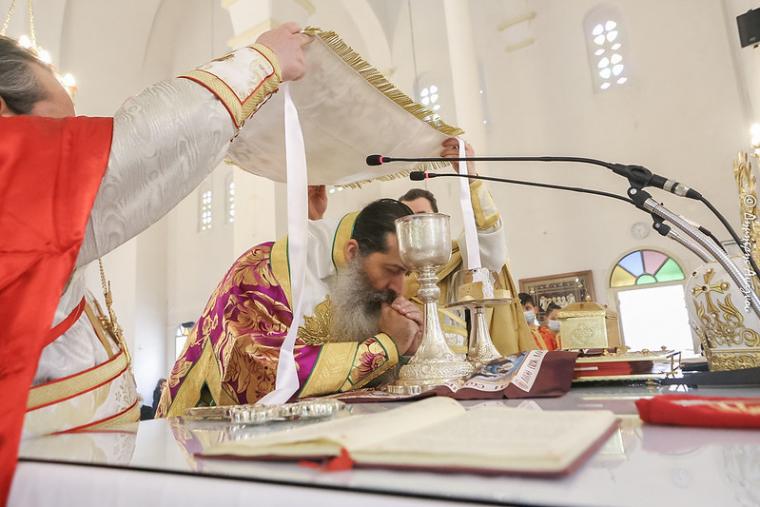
[645,267]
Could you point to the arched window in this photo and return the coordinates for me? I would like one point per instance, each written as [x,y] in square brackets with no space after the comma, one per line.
[643,267]
[429,97]
[648,286]
[607,49]
[205,210]
[230,199]
[430,94]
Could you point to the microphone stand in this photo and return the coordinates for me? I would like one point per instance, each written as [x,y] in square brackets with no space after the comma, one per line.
[679,238]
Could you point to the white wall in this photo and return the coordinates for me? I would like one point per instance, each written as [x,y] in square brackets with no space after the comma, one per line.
[680,115]
[195,260]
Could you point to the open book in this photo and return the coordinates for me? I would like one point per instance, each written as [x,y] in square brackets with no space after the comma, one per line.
[440,434]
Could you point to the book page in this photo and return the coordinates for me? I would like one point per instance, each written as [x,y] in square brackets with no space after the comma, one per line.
[497,438]
[352,432]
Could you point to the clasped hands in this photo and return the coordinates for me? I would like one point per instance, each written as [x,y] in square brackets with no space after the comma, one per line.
[402,321]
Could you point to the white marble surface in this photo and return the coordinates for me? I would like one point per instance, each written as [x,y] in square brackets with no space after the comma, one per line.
[639,465]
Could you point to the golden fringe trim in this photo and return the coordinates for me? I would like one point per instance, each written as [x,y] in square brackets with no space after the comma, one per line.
[381,84]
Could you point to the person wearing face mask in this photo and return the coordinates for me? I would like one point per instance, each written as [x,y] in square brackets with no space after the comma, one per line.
[549,328]
[530,311]
[529,308]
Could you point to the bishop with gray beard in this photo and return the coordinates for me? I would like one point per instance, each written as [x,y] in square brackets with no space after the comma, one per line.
[354,304]
[357,329]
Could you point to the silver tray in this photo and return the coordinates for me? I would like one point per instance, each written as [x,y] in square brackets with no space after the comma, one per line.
[263,414]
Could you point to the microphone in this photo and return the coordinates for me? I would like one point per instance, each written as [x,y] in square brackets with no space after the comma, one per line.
[636,175]
[375,160]
[643,177]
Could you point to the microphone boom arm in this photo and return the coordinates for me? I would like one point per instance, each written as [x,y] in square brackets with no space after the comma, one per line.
[687,243]
[703,243]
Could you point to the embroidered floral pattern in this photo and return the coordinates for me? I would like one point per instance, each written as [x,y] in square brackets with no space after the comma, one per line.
[369,362]
[372,360]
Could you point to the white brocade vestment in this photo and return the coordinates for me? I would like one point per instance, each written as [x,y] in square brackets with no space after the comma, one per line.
[165,142]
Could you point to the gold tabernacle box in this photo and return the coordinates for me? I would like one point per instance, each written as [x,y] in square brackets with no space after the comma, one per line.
[588,325]
[583,326]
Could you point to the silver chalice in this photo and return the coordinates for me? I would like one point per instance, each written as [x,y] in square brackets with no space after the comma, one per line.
[477,289]
[424,242]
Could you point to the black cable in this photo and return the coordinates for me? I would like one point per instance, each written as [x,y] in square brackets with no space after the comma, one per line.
[707,232]
[533,184]
[580,160]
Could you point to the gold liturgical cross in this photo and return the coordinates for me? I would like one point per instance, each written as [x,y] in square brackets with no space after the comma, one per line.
[720,288]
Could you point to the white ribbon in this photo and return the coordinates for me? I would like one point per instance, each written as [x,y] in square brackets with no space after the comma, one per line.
[468,216]
[295,159]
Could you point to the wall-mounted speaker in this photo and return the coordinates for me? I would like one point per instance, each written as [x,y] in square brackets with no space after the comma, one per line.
[749,27]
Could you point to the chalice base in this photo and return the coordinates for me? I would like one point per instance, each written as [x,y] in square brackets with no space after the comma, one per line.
[433,373]
[407,390]
[481,350]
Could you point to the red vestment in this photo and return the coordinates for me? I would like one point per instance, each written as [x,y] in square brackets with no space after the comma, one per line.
[549,336]
[701,411]
[50,171]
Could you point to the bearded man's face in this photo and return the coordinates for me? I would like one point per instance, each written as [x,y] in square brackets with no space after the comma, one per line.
[355,304]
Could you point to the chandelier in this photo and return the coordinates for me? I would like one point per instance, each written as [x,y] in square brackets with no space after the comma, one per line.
[29,42]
